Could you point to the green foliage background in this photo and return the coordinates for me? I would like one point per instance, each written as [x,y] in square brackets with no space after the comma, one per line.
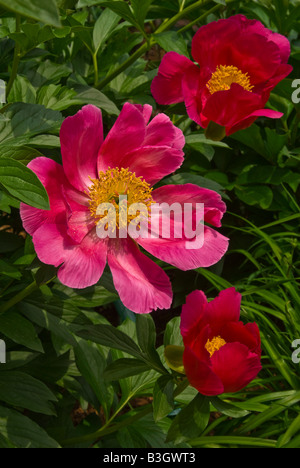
[82,370]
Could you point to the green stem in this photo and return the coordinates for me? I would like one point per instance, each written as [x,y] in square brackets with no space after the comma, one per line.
[202,17]
[137,54]
[19,297]
[148,44]
[180,15]
[16,59]
[96,71]
[105,430]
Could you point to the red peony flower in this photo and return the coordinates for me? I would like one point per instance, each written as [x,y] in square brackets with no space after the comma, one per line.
[240,62]
[221,354]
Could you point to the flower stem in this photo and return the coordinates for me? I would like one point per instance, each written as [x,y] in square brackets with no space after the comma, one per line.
[148,44]
[19,297]
[202,17]
[16,59]
[107,429]
[137,54]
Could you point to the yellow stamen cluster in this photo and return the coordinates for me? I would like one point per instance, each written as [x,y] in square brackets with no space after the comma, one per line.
[225,75]
[114,183]
[214,345]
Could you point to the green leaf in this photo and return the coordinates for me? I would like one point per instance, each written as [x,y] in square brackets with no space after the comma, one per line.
[87,95]
[261,195]
[172,335]
[163,400]
[171,41]
[109,336]
[22,154]
[140,10]
[93,296]
[20,330]
[22,431]
[91,364]
[22,390]
[22,91]
[22,121]
[122,9]
[56,97]
[104,26]
[200,143]
[45,11]
[45,319]
[125,367]
[191,421]
[227,408]
[9,270]
[146,336]
[23,184]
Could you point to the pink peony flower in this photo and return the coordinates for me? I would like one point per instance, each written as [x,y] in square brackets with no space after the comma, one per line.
[221,354]
[133,157]
[240,62]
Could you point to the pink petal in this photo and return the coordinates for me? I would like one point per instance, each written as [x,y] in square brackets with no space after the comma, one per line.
[235,365]
[127,134]
[142,285]
[214,207]
[81,264]
[80,223]
[146,110]
[81,136]
[53,178]
[175,252]
[153,163]
[180,250]
[84,267]
[162,132]
[166,87]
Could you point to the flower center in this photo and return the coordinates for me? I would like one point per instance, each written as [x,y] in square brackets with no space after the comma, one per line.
[117,190]
[225,75]
[214,345]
